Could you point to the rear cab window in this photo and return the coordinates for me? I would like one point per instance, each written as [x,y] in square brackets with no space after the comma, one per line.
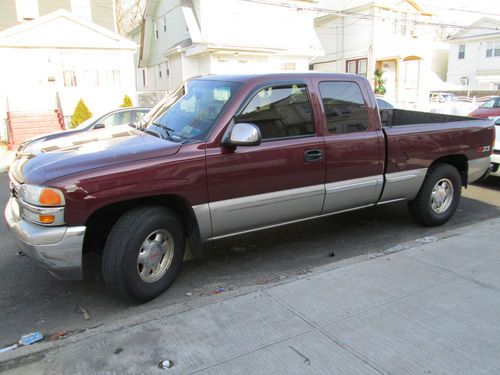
[281,111]
[344,107]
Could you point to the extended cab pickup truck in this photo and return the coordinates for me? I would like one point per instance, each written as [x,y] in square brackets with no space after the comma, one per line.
[224,155]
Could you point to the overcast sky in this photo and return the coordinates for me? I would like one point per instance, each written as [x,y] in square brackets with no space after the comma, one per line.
[471,10]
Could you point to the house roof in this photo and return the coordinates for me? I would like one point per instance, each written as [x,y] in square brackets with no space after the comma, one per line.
[484,28]
[62,29]
[345,6]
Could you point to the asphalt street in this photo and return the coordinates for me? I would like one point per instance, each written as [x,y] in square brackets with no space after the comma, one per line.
[32,300]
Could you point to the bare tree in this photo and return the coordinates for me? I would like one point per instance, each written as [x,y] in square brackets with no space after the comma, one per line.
[129,14]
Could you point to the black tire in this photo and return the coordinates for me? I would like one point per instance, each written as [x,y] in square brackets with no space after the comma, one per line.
[421,208]
[120,264]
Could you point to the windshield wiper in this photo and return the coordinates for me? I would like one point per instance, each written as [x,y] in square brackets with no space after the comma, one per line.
[164,127]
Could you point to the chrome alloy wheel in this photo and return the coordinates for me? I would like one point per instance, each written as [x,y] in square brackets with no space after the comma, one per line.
[155,255]
[442,196]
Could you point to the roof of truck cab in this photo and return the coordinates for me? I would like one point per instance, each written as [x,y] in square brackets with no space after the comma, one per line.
[243,78]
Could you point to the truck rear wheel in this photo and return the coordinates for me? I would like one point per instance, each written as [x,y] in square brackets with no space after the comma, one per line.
[143,252]
[438,197]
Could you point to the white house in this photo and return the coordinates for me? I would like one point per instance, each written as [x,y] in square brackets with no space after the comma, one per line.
[392,36]
[180,39]
[53,61]
[474,57]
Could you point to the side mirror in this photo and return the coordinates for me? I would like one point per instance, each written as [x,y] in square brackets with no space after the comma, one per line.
[242,134]
[98,126]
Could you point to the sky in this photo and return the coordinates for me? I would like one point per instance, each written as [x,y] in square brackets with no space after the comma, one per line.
[462,12]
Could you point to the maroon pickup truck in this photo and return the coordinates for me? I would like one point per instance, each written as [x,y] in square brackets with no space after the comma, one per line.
[224,155]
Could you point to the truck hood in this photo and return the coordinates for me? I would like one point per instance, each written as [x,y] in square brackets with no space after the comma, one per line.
[91,150]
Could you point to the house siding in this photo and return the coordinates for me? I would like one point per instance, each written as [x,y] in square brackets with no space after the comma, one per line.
[47,6]
[8,15]
[102,11]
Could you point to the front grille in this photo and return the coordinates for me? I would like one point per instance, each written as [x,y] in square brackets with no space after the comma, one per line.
[14,189]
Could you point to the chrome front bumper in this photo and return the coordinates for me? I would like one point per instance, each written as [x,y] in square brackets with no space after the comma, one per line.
[59,249]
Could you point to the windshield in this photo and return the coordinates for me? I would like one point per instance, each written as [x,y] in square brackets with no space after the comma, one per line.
[190,112]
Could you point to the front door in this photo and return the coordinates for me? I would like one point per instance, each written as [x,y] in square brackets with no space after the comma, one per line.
[280,180]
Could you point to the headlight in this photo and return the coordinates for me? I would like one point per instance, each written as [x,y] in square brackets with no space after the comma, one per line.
[42,205]
[30,146]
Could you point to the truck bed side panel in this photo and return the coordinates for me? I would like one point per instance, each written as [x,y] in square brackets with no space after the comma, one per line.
[411,149]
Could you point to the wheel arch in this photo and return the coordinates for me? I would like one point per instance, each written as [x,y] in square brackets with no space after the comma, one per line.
[100,222]
[459,161]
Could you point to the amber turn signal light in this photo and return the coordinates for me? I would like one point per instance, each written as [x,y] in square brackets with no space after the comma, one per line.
[46,219]
[50,197]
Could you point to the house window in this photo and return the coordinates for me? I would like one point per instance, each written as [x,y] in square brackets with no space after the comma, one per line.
[493,49]
[69,78]
[461,51]
[288,66]
[357,66]
[164,24]
[155,24]
[403,26]
[144,77]
[413,26]
[26,10]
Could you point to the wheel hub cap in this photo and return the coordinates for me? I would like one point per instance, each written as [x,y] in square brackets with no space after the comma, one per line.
[442,196]
[155,255]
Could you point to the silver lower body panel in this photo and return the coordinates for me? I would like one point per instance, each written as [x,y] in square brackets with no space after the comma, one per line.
[477,168]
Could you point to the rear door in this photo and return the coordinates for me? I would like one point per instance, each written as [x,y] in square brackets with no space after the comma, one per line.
[354,145]
[280,180]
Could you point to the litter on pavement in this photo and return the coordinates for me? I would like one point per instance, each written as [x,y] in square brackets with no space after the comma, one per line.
[9,348]
[166,364]
[84,312]
[218,290]
[31,338]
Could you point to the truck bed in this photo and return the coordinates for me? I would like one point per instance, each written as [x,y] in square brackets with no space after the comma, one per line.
[398,117]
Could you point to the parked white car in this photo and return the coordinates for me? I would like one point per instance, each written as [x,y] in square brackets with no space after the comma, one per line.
[495,157]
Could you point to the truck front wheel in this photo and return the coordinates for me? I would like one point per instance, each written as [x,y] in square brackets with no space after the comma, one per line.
[143,252]
[438,197]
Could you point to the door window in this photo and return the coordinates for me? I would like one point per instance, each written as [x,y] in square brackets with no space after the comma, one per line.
[280,112]
[344,107]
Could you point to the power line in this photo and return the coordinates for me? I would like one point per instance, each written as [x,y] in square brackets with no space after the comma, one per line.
[473,11]
[343,13]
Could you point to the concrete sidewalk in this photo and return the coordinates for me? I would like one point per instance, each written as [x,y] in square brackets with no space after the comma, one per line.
[430,306]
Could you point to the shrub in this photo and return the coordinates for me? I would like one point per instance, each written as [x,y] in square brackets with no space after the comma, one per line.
[80,114]
[127,102]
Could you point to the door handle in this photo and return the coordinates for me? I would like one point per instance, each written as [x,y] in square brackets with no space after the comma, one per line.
[313,155]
